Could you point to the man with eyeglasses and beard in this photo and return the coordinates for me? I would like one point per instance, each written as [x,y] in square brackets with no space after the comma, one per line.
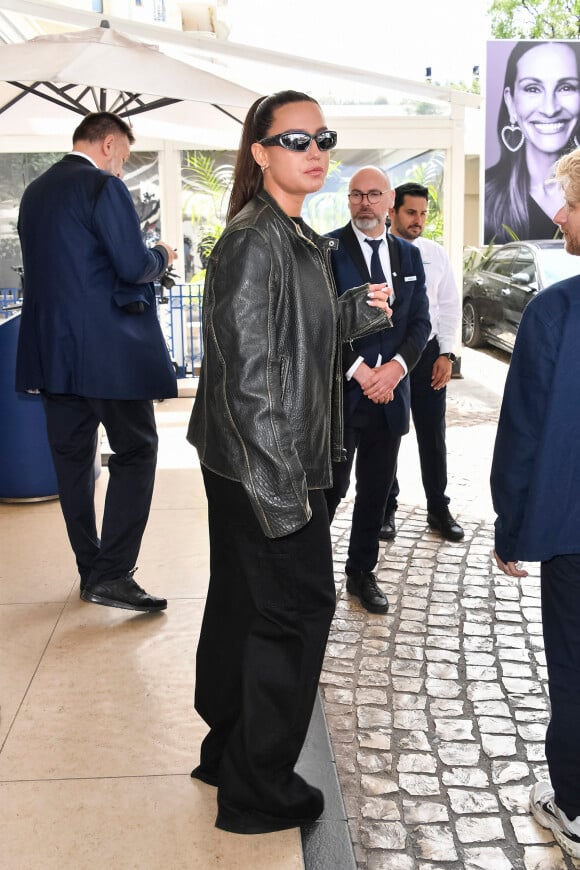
[376,388]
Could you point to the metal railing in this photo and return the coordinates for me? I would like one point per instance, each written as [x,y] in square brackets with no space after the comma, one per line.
[179,312]
[10,301]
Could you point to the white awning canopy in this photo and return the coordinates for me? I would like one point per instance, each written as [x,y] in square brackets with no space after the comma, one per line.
[391,112]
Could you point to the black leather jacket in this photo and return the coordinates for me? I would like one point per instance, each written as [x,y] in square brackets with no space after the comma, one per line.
[268,410]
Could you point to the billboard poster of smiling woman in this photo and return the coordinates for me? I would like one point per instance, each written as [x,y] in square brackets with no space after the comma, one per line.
[532,118]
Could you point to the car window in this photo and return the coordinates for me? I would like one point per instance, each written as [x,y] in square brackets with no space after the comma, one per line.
[524,262]
[500,262]
[556,264]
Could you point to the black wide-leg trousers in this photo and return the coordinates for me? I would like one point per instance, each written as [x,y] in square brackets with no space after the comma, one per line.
[72,426]
[267,616]
[560,578]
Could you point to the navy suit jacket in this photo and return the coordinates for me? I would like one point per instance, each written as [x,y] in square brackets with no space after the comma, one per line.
[84,260]
[411,325]
[535,476]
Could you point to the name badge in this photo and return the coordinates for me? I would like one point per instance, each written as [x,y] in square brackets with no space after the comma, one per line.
[410,278]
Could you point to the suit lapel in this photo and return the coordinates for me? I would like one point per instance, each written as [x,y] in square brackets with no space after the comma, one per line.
[395,257]
[352,245]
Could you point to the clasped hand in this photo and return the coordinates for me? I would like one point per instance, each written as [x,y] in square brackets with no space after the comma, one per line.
[379,384]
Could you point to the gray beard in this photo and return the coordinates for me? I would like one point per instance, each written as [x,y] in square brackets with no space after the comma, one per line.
[366,223]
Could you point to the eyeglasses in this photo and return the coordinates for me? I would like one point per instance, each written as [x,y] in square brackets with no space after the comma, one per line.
[298,140]
[373,196]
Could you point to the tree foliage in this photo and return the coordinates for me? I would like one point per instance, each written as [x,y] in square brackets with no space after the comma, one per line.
[429,173]
[535,19]
[207,183]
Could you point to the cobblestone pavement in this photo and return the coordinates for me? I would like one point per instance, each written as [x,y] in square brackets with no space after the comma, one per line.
[437,710]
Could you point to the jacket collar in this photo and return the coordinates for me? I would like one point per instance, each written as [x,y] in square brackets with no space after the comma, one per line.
[302,230]
[352,245]
[79,158]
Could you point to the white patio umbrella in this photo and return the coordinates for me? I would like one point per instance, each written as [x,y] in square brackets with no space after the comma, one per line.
[49,83]
[45,79]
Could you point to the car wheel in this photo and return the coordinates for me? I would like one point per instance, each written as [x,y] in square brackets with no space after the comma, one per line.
[470,328]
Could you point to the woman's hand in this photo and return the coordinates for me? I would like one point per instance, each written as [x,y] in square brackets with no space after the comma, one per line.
[378,297]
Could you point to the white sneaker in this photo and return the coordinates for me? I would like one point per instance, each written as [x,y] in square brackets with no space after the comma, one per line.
[549,815]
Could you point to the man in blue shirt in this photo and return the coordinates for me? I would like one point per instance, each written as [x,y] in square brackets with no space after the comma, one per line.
[535,482]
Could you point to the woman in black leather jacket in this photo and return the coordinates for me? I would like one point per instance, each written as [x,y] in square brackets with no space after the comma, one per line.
[267,424]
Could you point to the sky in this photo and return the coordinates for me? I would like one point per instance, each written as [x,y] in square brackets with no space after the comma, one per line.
[394,38]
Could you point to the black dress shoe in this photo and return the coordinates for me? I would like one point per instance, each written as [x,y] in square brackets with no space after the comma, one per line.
[388,530]
[84,575]
[122,592]
[237,820]
[364,585]
[205,775]
[447,527]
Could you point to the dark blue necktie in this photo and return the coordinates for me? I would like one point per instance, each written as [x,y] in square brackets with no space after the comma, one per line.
[377,274]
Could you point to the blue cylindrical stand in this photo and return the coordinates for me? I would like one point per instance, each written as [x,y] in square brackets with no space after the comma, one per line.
[26,467]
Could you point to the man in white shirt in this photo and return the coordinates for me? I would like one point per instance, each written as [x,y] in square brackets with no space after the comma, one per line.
[433,371]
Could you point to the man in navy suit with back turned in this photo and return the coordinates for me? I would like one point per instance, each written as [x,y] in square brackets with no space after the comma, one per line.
[91,344]
[376,392]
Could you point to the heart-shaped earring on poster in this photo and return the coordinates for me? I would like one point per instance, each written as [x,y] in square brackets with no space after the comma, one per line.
[512,137]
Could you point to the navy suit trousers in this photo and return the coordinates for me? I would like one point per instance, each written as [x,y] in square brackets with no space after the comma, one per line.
[560,578]
[367,434]
[72,424]
[428,408]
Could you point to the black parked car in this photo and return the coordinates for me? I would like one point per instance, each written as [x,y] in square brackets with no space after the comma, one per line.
[498,289]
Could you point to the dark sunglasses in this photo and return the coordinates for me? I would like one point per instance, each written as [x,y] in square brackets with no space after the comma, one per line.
[297,140]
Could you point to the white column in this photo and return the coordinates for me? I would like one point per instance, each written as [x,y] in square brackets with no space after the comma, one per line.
[172,314]
[454,192]
[170,192]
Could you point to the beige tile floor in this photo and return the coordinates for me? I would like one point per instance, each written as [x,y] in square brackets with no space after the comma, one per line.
[97,728]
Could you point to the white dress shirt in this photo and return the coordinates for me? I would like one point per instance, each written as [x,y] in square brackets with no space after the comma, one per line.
[368,252]
[386,266]
[82,154]
[444,298]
